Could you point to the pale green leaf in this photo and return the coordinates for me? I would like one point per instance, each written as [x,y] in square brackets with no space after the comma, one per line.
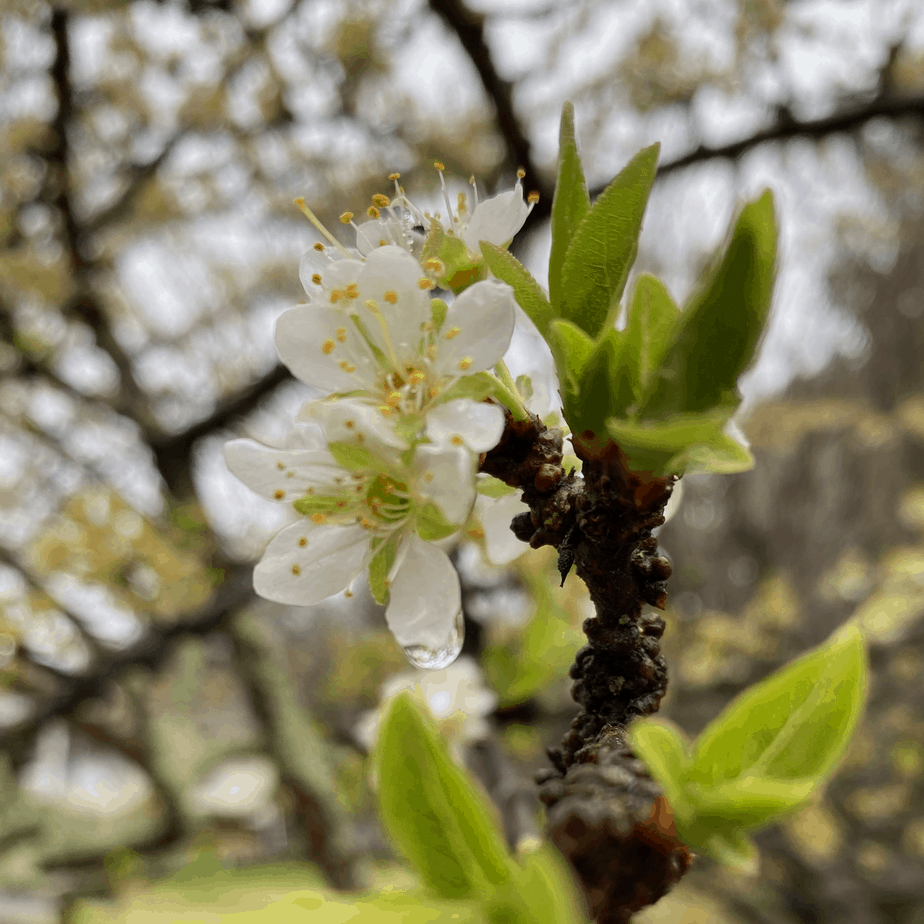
[526,290]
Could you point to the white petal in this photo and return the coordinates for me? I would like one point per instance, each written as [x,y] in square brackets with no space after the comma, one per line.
[390,278]
[446,475]
[477,329]
[476,424]
[279,474]
[425,597]
[497,220]
[673,505]
[323,348]
[335,274]
[302,575]
[348,419]
[496,514]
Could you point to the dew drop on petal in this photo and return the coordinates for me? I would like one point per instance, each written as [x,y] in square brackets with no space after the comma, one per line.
[435,658]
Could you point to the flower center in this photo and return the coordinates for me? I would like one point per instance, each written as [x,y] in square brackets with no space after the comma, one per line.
[388,500]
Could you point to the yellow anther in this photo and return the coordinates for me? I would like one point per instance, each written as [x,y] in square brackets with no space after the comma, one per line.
[279,495]
[373,212]
[303,541]
[360,438]
[336,295]
[296,570]
[319,247]
[348,593]
[290,474]
[382,242]
[347,367]
[435,265]
[393,399]
[281,466]
[460,203]
[352,290]
[391,296]
[453,332]
[316,278]
[424,283]
[349,424]
[380,200]
[457,441]
[521,173]
[328,347]
[465,362]
[471,180]
[433,392]
[341,504]
[346,217]
[341,334]
[310,491]
[372,304]
[394,176]
[417,377]
[318,518]
[533,196]
[385,411]
[439,166]
[476,533]
[428,477]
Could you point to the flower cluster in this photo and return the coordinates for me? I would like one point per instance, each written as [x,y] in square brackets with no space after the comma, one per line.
[386,465]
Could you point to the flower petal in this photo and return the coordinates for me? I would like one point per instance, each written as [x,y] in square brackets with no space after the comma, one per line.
[323,348]
[335,272]
[279,474]
[474,423]
[477,329]
[305,564]
[496,514]
[425,597]
[348,419]
[496,220]
[446,475]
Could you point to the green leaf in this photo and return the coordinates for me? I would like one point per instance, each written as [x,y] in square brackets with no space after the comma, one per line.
[524,386]
[795,725]
[603,248]
[735,850]
[438,309]
[718,332]
[571,348]
[598,397]
[432,810]
[526,290]
[432,525]
[379,566]
[681,443]
[541,892]
[664,748]
[490,486]
[650,323]
[479,386]
[570,204]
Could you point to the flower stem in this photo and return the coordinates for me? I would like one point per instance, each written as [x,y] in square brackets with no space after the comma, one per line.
[510,393]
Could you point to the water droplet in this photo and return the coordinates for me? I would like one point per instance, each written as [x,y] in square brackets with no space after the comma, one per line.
[434,658]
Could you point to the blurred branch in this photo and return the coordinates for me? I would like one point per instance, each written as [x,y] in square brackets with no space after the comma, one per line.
[151,651]
[787,128]
[469,28]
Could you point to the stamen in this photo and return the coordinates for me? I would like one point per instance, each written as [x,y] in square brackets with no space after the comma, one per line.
[341,334]
[452,332]
[425,284]
[391,297]
[318,246]
[279,495]
[380,200]
[318,518]
[373,212]
[465,363]
[300,202]
[328,347]
[316,278]
[452,218]
[296,570]
[303,541]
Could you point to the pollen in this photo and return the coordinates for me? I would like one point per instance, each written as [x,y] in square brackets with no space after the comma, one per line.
[453,332]
[316,279]
[347,367]
[352,290]
[521,173]
[385,411]
[533,196]
[433,392]
[393,399]
[279,495]
[349,424]
[382,242]
[303,541]
[328,347]
[319,247]
[476,533]
[281,466]
[373,212]
[457,441]
[319,518]
[296,570]
[346,217]
[394,176]
[341,334]
[465,363]
[435,265]
[380,200]
[336,295]
[391,296]
[424,283]
[439,166]
[416,377]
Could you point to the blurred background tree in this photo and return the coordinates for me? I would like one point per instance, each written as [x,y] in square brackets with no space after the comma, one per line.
[158,718]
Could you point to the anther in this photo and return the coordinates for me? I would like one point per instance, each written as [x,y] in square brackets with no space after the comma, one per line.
[303,541]
[346,217]
[318,518]
[439,166]
[279,495]
[328,347]
[464,363]
[424,283]
[381,200]
[341,334]
[296,570]
[316,279]
[391,297]
[373,212]
[453,332]
[319,247]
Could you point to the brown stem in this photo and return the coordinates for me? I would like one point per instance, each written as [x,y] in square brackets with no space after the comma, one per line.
[605,813]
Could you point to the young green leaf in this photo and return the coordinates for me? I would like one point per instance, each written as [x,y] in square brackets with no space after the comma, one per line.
[604,246]
[526,290]
[664,749]
[795,725]
[651,321]
[432,810]
[379,566]
[598,398]
[718,332]
[571,348]
[570,204]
